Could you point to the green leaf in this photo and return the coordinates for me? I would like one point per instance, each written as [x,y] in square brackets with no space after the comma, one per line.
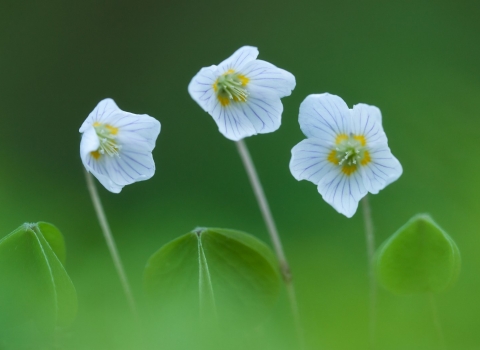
[213,270]
[419,258]
[36,293]
[54,238]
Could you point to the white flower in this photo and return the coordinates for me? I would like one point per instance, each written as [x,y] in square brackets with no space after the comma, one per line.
[346,153]
[117,146]
[242,94]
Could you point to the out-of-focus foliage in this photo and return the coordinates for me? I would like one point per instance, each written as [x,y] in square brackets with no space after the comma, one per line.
[36,293]
[419,258]
[216,271]
[418,61]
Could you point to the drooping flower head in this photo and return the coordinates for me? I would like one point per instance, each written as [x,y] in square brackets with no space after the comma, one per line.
[346,153]
[242,94]
[117,146]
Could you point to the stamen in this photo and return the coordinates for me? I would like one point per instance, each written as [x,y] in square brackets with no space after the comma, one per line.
[350,152]
[232,86]
[107,137]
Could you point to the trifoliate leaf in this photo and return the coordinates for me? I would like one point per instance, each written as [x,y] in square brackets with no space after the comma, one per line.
[419,258]
[210,270]
[54,238]
[36,293]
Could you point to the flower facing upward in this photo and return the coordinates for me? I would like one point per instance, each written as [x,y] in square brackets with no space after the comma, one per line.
[346,152]
[117,146]
[242,94]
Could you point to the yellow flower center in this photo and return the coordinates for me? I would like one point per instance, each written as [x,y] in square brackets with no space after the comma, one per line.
[231,86]
[350,152]
[107,137]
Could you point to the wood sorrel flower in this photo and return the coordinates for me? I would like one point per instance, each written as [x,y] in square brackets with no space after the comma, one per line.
[242,94]
[346,152]
[117,146]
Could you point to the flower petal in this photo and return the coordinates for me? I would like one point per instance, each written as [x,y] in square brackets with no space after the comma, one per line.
[366,123]
[140,129]
[342,191]
[324,116]
[239,59]
[89,142]
[103,110]
[382,170]
[130,167]
[97,168]
[310,160]
[371,110]
[122,154]
[396,172]
[241,119]
[201,86]
[264,75]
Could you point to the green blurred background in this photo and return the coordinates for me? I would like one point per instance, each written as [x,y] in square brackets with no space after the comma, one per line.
[418,61]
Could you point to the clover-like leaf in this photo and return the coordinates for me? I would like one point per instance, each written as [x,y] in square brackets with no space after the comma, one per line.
[226,272]
[54,238]
[419,258]
[36,293]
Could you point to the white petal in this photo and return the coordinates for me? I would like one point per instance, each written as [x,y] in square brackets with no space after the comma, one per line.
[324,116]
[396,173]
[239,59]
[130,167]
[89,142]
[382,170]
[310,160]
[371,110]
[97,168]
[104,109]
[201,86]
[136,136]
[264,75]
[137,129]
[366,122]
[342,191]
[255,116]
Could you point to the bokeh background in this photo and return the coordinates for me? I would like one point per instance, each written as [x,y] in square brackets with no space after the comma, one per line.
[418,61]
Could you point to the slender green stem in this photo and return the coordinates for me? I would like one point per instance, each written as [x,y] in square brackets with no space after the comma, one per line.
[436,321]
[107,233]
[370,240]
[274,236]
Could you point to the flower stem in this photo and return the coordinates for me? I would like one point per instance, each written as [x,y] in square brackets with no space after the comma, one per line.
[107,233]
[370,239]
[436,321]
[274,236]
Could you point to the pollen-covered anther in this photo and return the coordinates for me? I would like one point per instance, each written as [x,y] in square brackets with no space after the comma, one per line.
[107,137]
[350,152]
[232,86]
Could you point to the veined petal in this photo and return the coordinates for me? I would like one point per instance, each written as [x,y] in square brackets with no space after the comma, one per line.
[367,123]
[239,59]
[201,87]
[324,117]
[138,129]
[255,116]
[382,169]
[342,191]
[116,145]
[371,110]
[396,173]
[130,167]
[310,160]
[264,75]
[89,142]
[232,122]
[97,168]
[103,110]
